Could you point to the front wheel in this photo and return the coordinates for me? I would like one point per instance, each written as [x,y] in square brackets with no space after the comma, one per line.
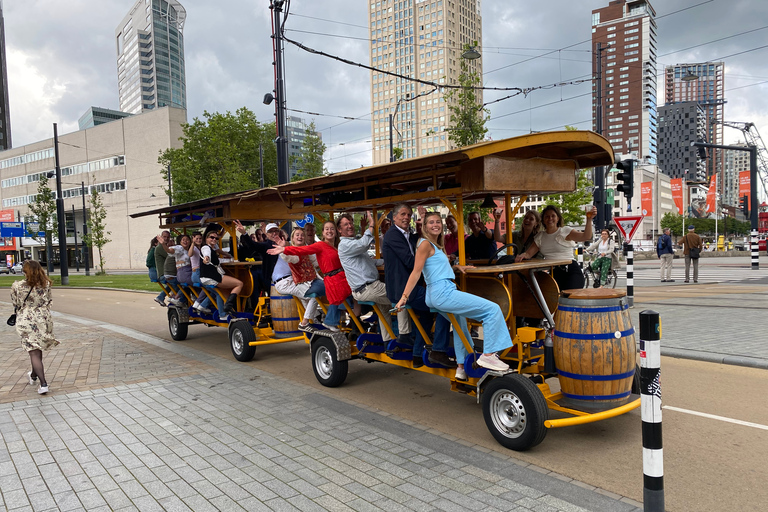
[515,411]
[329,371]
[177,328]
[610,279]
[587,277]
[240,335]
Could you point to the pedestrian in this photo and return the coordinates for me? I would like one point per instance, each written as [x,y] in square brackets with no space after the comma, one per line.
[692,246]
[151,261]
[605,248]
[666,254]
[31,299]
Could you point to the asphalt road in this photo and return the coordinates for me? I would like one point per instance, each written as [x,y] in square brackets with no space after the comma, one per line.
[709,463]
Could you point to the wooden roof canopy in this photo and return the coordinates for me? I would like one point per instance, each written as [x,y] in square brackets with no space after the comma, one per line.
[535,164]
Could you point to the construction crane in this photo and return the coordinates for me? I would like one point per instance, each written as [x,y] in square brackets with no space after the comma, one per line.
[752,138]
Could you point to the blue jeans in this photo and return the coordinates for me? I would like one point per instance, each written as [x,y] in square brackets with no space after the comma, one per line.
[196,280]
[444,296]
[418,303]
[159,279]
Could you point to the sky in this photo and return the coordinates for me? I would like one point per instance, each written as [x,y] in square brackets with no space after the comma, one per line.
[62,59]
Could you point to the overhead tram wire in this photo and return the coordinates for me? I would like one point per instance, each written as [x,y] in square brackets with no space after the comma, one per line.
[714,41]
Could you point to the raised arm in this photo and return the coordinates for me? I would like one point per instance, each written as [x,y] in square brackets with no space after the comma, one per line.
[586,235]
[497,235]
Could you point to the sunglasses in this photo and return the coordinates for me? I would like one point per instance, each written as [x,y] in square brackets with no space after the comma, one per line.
[213,238]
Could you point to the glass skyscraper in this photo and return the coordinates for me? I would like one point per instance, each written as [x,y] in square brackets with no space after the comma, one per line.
[150,56]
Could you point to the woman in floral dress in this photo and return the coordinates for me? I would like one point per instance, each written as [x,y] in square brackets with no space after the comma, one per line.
[32,300]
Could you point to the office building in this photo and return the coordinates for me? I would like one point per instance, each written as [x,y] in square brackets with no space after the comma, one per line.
[626,33]
[704,83]
[5,113]
[119,159]
[150,56]
[679,125]
[735,162]
[296,128]
[95,116]
[418,40]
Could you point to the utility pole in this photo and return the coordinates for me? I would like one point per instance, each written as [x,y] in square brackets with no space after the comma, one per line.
[599,173]
[63,263]
[85,229]
[280,104]
[77,249]
[170,190]
[261,166]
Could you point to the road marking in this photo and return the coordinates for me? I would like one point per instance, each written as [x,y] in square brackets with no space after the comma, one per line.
[714,417]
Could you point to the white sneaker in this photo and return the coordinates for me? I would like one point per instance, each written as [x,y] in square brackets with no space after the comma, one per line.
[31,380]
[492,362]
[175,302]
[460,374]
[201,309]
[161,302]
[331,328]
[42,390]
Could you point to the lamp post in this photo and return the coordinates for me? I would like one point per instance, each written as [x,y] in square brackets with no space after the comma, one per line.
[77,249]
[85,229]
[63,263]
[280,104]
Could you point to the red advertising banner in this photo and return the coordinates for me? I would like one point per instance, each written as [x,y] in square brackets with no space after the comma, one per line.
[744,184]
[7,215]
[646,198]
[712,194]
[677,193]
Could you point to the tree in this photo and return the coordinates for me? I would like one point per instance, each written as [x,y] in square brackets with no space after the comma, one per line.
[43,210]
[220,155]
[398,153]
[310,162]
[97,233]
[468,117]
[572,205]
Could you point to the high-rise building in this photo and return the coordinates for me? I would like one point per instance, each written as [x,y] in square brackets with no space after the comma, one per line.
[421,40]
[5,113]
[704,83]
[95,116]
[679,125]
[296,129]
[150,56]
[735,162]
[626,33]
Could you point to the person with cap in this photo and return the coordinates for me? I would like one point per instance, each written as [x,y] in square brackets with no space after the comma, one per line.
[666,254]
[692,246]
[360,268]
[259,249]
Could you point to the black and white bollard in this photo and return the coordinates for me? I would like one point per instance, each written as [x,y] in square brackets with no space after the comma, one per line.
[650,406]
[630,276]
[580,253]
[755,251]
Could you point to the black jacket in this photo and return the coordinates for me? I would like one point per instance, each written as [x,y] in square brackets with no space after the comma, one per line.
[398,261]
[268,261]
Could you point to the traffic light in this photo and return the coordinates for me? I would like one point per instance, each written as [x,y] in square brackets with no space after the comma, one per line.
[626,178]
[744,203]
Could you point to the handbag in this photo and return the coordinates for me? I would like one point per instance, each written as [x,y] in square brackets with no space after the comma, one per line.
[12,319]
[694,253]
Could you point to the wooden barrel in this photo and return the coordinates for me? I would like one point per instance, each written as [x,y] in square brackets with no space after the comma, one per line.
[285,314]
[594,345]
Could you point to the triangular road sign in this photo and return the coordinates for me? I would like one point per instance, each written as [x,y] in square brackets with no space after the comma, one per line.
[628,225]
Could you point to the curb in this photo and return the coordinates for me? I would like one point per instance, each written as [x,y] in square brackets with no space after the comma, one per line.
[749,362]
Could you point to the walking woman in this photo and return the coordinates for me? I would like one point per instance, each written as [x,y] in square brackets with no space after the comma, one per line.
[31,299]
[211,274]
[442,295]
[336,286]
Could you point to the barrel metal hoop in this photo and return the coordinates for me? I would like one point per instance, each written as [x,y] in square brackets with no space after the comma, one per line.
[597,397]
[598,336]
[606,309]
[581,376]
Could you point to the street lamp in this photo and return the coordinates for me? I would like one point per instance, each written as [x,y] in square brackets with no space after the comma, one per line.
[471,53]
[63,263]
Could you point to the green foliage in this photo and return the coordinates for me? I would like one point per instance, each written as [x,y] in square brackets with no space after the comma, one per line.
[310,161]
[467,122]
[220,155]
[398,153]
[97,233]
[704,227]
[474,206]
[572,205]
[43,211]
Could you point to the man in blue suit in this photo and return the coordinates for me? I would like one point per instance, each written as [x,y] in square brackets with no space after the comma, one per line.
[398,249]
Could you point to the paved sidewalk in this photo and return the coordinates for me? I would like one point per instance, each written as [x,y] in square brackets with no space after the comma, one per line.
[136,423]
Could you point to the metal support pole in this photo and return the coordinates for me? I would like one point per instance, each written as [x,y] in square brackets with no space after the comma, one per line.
[170,190]
[650,407]
[85,230]
[391,144]
[77,249]
[261,166]
[280,104]
[598,197]
[630,275]
[753,207]
[63,260]
[580,252]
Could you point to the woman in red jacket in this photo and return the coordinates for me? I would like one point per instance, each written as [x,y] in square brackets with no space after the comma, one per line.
[336,286]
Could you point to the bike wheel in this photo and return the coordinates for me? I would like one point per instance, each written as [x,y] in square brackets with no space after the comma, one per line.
[587,278]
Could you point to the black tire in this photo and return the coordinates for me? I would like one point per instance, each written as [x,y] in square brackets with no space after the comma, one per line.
[515,411]
[329,371]
[177,328]
[636,381]
[611,279]
[240,335]
[587,278]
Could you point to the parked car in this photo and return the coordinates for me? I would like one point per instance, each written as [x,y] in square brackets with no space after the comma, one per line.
[4,269]
[16,269]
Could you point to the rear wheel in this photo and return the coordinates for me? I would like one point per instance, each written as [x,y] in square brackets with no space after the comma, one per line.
[240,335]
[587,278]
[177,328]
[515,411]
[329,371]
[610,280]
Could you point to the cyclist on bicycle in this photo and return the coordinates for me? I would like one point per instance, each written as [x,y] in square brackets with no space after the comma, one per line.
[605,257]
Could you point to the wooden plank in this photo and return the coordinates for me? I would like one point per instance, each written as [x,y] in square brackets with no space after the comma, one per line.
[594,293]
[513,267]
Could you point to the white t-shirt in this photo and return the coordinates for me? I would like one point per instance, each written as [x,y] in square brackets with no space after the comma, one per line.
[603,247]
[555,246]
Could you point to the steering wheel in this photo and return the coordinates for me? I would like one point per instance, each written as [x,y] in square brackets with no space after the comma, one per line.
[506,257]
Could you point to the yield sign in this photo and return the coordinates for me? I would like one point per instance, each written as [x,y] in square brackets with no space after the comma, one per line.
[628,225]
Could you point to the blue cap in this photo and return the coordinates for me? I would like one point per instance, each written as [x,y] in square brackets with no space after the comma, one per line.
[691,227]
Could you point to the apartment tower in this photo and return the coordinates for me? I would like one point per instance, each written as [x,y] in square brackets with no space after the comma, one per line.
[150,56]
[5,113]
[418,40]
[679,125]
[704,83]
[626,33]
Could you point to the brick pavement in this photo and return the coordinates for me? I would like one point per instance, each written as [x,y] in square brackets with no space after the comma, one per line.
[135,423]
